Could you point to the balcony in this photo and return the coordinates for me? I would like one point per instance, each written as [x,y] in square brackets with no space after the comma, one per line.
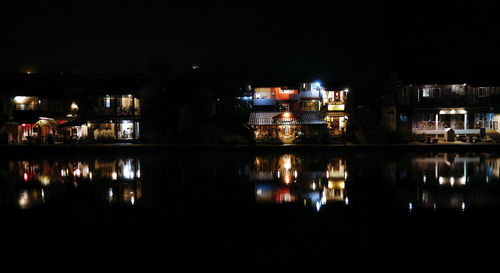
[264,102]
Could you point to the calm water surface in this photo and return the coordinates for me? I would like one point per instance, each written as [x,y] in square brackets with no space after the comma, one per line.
[271,210]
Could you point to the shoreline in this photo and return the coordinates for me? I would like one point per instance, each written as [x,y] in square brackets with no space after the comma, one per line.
[49,149]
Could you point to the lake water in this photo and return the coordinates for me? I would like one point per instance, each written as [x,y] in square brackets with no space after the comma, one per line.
[263,210]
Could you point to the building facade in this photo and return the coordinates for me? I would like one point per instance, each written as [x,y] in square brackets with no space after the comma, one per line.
[432,109]
[285,114]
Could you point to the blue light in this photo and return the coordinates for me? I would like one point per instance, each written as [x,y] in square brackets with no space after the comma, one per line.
[317,84]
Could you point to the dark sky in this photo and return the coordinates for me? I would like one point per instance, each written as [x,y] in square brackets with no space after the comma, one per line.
[342,38]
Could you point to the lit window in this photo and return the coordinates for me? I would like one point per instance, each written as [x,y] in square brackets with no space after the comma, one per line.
[426,92]
[107,102]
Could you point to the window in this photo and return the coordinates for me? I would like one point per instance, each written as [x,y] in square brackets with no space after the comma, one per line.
[403,118]
[107,102]
[457,90]
[426,92]
[436,92]
[482,91]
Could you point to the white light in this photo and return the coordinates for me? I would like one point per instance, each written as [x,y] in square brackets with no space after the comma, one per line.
[410,205]
[463,206]
[110,193]
[295,173]
[278,173]
[77,173]
[318,205]
[346,201]
[327,174]
[442,112]
[314,186]
[114,176]
[452,111]
[132,200]
[441,180]
[317,84]
[138,173]
[452,181]
[425,179]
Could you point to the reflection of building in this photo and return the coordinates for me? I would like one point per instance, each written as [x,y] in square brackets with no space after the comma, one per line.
[446,169]
[119,181]
[289,178]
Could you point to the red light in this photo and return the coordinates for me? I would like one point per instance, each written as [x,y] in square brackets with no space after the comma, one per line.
[25,177]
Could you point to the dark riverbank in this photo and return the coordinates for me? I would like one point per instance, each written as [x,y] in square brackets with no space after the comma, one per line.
[47,150]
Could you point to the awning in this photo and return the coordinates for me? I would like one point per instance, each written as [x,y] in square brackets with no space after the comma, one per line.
[296,118]
[76,121]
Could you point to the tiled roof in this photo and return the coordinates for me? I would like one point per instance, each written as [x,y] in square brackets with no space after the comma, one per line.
[297,118]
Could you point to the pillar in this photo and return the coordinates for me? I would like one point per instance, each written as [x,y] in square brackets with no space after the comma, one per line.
[465,123]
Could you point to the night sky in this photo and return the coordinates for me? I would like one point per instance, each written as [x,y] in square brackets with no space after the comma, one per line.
[344,39]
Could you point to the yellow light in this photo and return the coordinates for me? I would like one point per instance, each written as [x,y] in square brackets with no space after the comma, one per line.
[74,106]
[45,180]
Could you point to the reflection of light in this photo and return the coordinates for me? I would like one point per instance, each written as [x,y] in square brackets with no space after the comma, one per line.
[45,180]
[138,173]
[327,174]
[410,206]
[314,186]
[43,195]
[452,181]
[295,174]
[323,198]
[110,193]
[23,199]
[114,176]
[25,177]
[278,173]
[287,179]
[345,175]
[462,180]
[463,205]
[318,205]
[287,164]
[62,173]
[441,180]
[132,200]
[346,201]
[77,173]
[90,175]
[330,184]
[425,178]
[127,173]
